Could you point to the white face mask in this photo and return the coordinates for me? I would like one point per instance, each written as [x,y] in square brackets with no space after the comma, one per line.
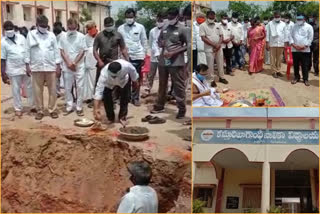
[129,21]
[300,22]
[224,21]
[286,20]
[71,32]
[265,22]
[211,21]
[234,20]
[172,22]
[10,33]
[109,29]
[188,23]
[160,24]
[165,21]
[42,29]
[277,19]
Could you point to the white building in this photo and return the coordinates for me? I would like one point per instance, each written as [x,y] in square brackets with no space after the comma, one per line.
[24,13]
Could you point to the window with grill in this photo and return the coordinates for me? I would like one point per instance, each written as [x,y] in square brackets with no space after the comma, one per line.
[204,194]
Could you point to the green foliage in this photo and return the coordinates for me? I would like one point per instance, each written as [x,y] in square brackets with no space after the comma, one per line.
[310,8]
[315,210]
[276,209]
[85,16]
[244,9]
[251,210]
[197,206]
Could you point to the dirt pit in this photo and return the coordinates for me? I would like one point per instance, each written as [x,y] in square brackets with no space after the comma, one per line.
[134,130]
[51,170]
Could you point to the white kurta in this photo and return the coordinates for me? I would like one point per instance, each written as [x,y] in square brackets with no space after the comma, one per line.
[212,100]
[90,69]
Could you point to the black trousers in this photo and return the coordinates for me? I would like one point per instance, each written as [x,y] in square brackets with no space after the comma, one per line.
[124,100]
[227,53]
[300,58]
[315,54]
[135,92]
[195,59]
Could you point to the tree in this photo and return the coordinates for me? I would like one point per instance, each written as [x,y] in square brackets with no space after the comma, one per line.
[310,8]
[244,9]
[152,8]
[85,16]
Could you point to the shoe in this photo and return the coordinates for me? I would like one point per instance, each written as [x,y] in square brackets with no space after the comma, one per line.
[157,110]
[157,120]
[306,82]
[279,74]
[294,81]
[39,116]
[181,115]
[136,103]
[33,110]
[230,73]
[147,118]
[54,115]
[224,81]
[275,75]
[66,113]
[80,113]
[90,105]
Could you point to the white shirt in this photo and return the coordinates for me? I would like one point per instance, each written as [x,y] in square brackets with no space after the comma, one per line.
[140,199]
[289,27]
[73,44]
[105,80]
[301,35]
[90,61]
[42,52]
[153,40]
[226,32]
[195,35]
[237,31]
[245,31]
[276,33]
[135,38]
[14,54]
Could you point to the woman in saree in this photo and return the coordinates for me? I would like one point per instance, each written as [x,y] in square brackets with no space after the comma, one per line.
[256,42]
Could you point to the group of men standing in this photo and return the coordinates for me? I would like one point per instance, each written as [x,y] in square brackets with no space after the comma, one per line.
[225,44]
[99,67]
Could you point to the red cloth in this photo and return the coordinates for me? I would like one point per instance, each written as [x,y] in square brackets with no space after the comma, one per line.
[289,60]
[146,67]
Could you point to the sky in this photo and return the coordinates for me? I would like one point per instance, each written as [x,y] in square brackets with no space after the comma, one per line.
[221,5]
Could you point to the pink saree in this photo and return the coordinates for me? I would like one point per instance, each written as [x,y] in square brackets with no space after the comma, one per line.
[256,48]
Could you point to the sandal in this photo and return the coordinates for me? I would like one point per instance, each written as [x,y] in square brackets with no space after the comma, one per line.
[54,115]
[157,120]
[67,113]
[39,116]
[294,81]
[147,118]
[80,113]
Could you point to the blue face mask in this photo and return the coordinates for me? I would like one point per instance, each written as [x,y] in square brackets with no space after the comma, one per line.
[200,77]
[310,19]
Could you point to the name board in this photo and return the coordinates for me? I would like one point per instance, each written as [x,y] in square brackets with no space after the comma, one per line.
[232,202]
[256,136]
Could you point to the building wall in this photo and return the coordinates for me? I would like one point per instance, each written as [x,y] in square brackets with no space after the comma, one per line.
[232,180]
[99,12]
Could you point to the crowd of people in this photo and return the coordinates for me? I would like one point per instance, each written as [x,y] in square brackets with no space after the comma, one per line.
[224,44]
[97,67]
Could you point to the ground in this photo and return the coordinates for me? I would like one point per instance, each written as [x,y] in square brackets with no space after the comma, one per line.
[54,166]
[292,95]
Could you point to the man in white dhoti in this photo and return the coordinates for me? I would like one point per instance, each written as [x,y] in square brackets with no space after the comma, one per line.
[72,47]
[90,64]
[202,93]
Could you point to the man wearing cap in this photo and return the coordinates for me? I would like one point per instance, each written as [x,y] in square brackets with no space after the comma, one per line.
[141,198]
[276,37]
[117,73]
[300,39]
[237,31]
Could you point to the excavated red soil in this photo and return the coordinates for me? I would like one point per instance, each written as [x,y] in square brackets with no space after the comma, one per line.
[47,170]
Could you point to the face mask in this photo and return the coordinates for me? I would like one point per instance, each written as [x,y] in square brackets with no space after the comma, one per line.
[200,77]
[300,22]
[225,21]
[188,23]
[165,21]
[286,20]
[93,31]
[42,30]
[200,20]
[182,23]
[160,24]
[57,31]
[311,20]
[129,21]
[265,22]
[211,21]
[277,19]
[71,32]
[10,33]
[172,22]
[234,20]
[109,29]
